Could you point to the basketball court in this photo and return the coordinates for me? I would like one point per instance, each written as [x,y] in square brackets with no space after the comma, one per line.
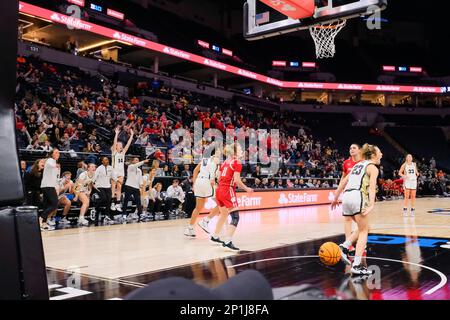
[109,262]
[409,256]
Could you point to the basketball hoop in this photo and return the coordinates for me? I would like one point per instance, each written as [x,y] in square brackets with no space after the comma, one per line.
[324,35]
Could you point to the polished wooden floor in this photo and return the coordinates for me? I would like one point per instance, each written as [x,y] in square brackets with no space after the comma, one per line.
[117,259]
[120,251]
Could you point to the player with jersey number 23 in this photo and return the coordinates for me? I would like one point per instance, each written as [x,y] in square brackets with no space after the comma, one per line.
[358,201]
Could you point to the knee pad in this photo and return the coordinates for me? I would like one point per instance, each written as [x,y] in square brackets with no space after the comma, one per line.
[234,218]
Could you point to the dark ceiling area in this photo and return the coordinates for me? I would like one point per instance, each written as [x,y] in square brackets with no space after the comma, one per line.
[415,34]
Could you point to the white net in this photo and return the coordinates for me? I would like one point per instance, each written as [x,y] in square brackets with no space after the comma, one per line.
[324,35]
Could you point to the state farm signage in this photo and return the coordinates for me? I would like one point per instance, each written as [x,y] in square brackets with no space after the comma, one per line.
[177,53]
[71,21]
[247,74]
[278,199]
[127,38]
[215,64]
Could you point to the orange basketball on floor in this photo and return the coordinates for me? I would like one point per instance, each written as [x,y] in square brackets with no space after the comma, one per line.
[329,253]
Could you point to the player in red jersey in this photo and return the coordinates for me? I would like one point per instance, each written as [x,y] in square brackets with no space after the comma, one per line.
[230,177]
[347,247]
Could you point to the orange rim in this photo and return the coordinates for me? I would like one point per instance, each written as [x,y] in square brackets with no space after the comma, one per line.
[339,24]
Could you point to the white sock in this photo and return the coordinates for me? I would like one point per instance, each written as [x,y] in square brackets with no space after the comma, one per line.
[347,244]
[357,261]
[227,240]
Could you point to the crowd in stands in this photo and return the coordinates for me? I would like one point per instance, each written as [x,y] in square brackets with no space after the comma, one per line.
[64,108]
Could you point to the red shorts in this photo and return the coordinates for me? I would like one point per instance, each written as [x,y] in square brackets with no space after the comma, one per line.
[226,197]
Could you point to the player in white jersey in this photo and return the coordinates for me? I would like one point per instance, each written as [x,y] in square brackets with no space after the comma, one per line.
[118,153]
[205,179]
[147,184]
[358,201]
[409,173]
[82,190]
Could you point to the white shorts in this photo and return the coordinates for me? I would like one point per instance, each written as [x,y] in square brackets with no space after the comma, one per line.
[353,203]
[410,184]
[203,188]
[116,173]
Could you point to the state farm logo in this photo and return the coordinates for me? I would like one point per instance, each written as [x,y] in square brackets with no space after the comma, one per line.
[55,17]
[310,85]
[331,196]
[274,82]
[284,5]
[70,21]
[177,53]
[248,74]
[350,86]
[294,198]
[425,89]
[247,201]
[127,38]
[215,64]
[283,199]
[388,88]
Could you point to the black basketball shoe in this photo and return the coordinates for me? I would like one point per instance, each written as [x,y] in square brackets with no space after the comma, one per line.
[230,247]
[216,240]
[361,270]
[345,253]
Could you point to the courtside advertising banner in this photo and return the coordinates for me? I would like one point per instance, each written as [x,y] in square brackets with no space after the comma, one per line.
[276,199]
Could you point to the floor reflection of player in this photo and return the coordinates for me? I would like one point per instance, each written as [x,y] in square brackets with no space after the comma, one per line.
[412,253]
[354,288]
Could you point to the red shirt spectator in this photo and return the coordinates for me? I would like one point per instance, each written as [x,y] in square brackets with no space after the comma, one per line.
[134,101]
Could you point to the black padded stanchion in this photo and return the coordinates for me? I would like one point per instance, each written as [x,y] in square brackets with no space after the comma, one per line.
[12,191]
[10,284]
[23,275]
[31,251]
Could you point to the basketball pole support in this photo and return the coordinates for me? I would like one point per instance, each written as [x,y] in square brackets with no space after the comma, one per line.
[23,273]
